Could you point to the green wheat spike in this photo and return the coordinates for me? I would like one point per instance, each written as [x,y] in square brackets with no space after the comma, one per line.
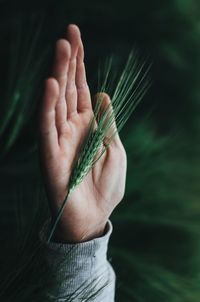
[82,169]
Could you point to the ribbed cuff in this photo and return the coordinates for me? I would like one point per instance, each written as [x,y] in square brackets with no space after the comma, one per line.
[86,248]
[78,265]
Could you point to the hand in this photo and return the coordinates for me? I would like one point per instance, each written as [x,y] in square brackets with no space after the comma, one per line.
[65,114]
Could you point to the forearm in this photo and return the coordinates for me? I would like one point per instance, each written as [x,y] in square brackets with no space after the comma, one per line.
[81,270]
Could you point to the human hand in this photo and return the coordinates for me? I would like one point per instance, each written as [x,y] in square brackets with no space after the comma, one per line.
[65,116]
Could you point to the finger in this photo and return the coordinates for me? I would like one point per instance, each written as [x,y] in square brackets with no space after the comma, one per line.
[106,115]
[47,123]
[60,71]
[73,36]
[83,93]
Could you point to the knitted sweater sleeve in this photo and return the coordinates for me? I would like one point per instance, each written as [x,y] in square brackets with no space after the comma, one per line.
[82,270]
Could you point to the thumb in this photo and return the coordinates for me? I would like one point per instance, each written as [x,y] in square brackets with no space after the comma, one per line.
[105,116]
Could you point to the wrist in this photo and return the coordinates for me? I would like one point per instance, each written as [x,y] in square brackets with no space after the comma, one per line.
[63,235]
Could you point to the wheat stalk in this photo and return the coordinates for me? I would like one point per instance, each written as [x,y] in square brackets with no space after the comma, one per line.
[130,89]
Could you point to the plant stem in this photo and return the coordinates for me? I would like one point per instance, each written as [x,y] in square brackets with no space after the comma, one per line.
[58,216]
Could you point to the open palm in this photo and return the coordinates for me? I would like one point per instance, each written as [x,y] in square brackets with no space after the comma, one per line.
[65,116]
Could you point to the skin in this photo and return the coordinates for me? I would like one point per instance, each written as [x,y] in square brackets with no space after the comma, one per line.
[65,114]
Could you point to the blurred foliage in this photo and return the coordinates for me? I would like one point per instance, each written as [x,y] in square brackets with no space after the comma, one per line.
[155,245]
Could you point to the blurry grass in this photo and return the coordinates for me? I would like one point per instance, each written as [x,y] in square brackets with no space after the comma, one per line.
[163,175]
[26,68]
[150,282]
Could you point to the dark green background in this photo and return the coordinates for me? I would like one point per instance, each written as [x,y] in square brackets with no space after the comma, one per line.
[154,248]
